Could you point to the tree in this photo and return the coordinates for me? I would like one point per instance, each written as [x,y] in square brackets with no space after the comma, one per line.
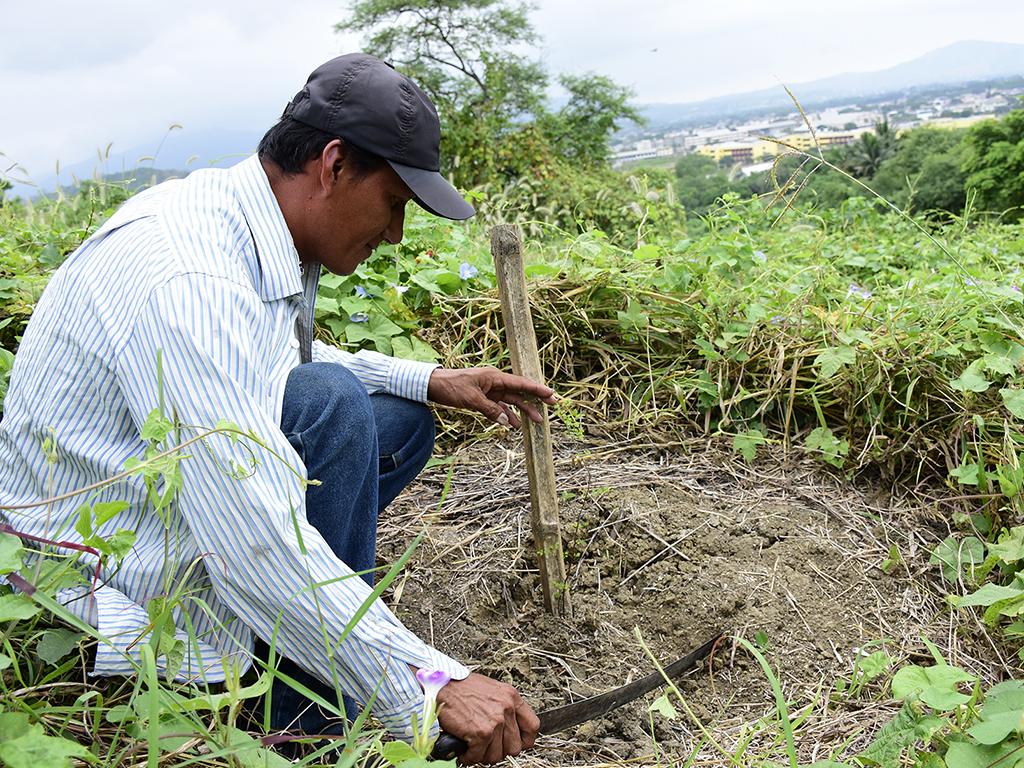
[491,97]
[700,181]
[925,171]
[994,163]
[864,157]
[579,131]
[463,53]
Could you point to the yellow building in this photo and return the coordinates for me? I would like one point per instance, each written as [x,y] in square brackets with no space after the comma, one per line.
[805,142]
[760,150]
[739,152]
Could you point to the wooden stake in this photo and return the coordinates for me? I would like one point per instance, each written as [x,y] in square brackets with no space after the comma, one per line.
[506,248]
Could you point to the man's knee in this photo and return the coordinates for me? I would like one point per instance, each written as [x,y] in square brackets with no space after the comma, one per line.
[319,393]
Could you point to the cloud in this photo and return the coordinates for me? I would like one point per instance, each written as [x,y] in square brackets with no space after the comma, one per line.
[75,76]
[230,64]
[684,51]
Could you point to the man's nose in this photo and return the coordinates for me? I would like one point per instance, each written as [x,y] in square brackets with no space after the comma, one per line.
[393,234]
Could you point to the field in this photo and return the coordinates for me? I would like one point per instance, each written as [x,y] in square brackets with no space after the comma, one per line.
[803,428]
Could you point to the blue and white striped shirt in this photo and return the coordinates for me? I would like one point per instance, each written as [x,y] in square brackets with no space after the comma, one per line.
[203,269]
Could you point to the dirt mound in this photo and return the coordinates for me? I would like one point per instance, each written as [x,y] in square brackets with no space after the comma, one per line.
[678,546]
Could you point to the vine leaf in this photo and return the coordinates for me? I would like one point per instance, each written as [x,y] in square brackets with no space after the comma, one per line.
[936,686]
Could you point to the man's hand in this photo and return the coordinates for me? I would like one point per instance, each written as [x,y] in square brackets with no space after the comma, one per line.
[489,716]
[488,391]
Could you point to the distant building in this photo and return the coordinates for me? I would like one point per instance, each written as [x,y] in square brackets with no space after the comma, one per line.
[750,170]
[957,122]
[804,141]
[647,153]
[750,152]
[738,152]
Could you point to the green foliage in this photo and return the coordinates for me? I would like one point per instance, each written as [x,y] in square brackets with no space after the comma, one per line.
[865,157]
[933,171]
[868,668]
[924,173]
[961,731]
[24,744]
[937,686]
[822,443]
[1002,599]
[746,443]
[848,334]
[10,553]
[578,132]
[899,736]
[959,558]
[994,163]
[700,182]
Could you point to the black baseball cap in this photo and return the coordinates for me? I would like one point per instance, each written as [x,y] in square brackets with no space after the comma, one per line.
[365,101]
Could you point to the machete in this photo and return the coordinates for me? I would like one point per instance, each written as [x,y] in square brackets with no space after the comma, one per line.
[448,747]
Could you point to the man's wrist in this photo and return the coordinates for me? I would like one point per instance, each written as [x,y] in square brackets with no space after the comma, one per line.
[410,379]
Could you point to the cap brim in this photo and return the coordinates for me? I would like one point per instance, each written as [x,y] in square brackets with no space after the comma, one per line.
[433,192]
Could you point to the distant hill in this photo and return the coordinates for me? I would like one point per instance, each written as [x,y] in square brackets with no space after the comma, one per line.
[963,62]
[133,179]
[179,150]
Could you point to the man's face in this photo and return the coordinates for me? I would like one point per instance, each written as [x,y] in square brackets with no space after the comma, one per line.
[355,215]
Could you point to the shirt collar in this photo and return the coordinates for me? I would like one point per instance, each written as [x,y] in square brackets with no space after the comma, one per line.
[276,256]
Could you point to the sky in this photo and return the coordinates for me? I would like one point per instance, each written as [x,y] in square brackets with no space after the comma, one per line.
[77,76]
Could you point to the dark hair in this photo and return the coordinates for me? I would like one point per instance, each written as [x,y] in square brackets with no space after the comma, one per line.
[291,144]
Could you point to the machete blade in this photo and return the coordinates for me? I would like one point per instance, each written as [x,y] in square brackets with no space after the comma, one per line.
[448,747]
[568,715]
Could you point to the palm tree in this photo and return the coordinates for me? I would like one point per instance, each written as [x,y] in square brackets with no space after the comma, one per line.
[865,157]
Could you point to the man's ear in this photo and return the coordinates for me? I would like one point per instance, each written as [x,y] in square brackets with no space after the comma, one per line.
[332,160]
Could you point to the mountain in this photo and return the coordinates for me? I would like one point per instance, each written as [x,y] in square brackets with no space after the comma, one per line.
[962,62]
[179,149]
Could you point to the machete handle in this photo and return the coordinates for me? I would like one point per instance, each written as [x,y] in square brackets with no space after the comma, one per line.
[448,747]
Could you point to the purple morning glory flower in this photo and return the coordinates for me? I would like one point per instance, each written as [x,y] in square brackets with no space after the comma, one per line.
[856,290]
[1016,288]
[760,256]
[359,317]
[467,271]
[362,293]
[432,680]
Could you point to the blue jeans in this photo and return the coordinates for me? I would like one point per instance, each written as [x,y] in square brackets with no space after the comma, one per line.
[364,450]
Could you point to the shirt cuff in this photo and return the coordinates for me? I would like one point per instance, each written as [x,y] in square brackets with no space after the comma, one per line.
[398,720]
[410,378]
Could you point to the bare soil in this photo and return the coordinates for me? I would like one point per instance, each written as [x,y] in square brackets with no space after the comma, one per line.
[676,545]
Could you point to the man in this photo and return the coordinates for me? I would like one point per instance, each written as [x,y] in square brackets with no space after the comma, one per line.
[196,299]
